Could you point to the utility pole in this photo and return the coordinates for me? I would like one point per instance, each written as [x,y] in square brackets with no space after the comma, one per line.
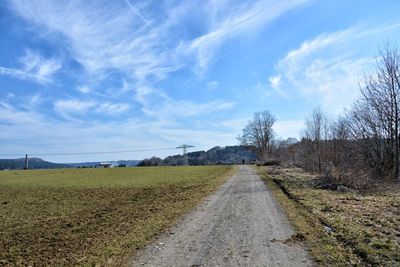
[26,162]
[185,158]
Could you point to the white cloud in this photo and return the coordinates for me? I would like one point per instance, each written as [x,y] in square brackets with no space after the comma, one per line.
[234,125]
[35,100]
[144,46]
[288,128]
[84,89]
[9,96]
[319,42]
[327,69]
[67,136]
[73,106]
[105,36]
[16,73]
[35,67]
[141,47]
[80,107]
[125,87]
[110,108]
[212,85]
[175,108]
[275,80]
[39,66]
[239,19]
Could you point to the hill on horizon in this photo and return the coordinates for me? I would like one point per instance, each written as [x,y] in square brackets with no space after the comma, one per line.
[34,163]
[38,163]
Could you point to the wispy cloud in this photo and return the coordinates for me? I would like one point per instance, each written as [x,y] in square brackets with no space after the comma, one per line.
[275,80]
[112,108]
[63,136]
[329,67]
[43,68]
[212,85]
[76,107]
[131,47]
[84,89]
[128,37]
[17,73]
[175,108]
[288,128]
[239,19]
[34,67]
[104,36]
[65,107]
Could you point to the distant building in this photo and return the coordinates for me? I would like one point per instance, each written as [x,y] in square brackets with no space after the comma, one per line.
[105,165]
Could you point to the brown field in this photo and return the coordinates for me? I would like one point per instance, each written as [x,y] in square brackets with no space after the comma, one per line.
[94,216]
[340,228]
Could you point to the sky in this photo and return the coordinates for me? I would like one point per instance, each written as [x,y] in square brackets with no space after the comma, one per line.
[87,76]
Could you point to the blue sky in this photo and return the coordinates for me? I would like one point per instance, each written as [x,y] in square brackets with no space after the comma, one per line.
[78,76]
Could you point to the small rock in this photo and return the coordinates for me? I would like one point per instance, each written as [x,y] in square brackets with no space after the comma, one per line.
[328,229]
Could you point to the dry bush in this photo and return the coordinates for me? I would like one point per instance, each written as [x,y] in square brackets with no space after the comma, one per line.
[274,170]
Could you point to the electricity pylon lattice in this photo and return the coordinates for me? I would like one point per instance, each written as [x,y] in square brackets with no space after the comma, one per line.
[184,149]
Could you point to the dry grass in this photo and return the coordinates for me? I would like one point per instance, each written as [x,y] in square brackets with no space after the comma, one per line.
[366,228]
[94,217]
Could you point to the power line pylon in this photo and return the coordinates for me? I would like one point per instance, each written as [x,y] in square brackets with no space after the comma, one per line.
[184,149]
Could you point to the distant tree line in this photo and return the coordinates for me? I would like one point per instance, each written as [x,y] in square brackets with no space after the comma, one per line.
[153,161]
[215,156]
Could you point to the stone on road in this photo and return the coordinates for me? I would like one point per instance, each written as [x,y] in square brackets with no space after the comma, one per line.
[239,225]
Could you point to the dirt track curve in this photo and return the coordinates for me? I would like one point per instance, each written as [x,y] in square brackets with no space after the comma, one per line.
[239,225]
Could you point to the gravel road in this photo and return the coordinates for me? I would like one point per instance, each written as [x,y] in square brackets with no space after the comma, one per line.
[239,225]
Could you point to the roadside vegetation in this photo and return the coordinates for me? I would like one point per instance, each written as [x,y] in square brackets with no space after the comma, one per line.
[94,216]
[340,228]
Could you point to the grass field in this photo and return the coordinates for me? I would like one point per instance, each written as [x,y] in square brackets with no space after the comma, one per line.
[94,216]
[364,229]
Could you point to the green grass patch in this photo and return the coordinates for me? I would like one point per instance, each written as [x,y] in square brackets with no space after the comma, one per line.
[94,216]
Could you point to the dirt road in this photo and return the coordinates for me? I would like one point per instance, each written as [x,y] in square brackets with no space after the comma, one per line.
[239,225]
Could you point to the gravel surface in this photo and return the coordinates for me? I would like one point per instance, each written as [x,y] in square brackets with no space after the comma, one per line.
[239,225]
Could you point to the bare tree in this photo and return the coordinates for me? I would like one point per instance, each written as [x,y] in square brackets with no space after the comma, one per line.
[284,150]
[340,144]
[363,144]
[258,133]
[375,117]
[315,130]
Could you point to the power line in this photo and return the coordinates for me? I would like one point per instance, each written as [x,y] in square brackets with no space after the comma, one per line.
[185,158]
[88,153]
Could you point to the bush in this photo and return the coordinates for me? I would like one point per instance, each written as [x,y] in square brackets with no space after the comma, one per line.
[272,163]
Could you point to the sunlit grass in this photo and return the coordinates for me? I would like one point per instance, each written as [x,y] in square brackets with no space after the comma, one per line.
[94,216]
